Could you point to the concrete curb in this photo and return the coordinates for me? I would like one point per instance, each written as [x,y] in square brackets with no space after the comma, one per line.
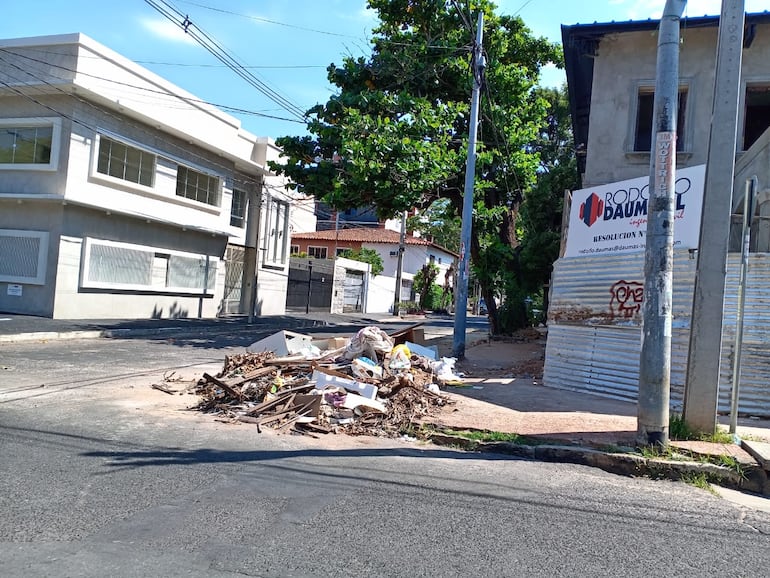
[753,478]
[149,331]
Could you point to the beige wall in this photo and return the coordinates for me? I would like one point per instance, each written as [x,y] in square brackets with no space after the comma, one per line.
[627,61]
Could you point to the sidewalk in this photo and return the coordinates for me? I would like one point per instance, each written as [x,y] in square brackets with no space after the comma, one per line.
[14,328]
[502,393]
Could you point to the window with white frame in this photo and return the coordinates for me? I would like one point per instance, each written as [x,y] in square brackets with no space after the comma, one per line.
[643,126]
[198,186]
[23,256]
[317,252]
[294,250]
[29,143]
[238,209]
[114,265]
[276,233]
[125,162]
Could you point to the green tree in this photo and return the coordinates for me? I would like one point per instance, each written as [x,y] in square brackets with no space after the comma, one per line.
[541,213]
[395,134]
[365,256]
[440,223]
[424,281]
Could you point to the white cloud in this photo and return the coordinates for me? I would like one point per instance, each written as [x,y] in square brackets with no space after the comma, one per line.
[167,30]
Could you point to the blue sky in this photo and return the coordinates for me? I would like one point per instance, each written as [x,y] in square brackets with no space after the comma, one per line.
[289,42]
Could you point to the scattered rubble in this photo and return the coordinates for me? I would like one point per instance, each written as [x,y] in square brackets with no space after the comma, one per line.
[371,384]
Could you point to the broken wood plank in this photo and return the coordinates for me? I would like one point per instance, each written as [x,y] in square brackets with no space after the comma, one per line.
[251,375]
[163,388]
[317,427]
[266,405]
[226,386]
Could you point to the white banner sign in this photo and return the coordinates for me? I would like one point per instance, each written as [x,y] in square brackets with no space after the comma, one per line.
[613,218]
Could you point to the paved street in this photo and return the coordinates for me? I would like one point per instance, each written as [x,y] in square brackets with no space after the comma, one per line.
[99,480]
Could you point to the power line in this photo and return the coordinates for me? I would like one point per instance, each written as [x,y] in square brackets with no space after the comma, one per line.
[260,19]
[221,54]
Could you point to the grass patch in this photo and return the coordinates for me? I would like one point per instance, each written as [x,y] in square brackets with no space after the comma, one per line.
[699,480]
[678,429]
[484,435]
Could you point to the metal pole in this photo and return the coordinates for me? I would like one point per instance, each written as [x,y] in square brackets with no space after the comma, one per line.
[655,359]
[748,213]
[205,287]
[701,394]
[400,265]
[309,286]
[461,299]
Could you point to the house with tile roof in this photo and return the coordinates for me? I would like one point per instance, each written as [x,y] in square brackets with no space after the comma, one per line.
[418,251]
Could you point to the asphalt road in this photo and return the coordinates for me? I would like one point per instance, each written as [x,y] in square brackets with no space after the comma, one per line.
[103,476]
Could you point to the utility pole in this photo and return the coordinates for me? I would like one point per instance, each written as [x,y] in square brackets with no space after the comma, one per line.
[400,265]
[461,299]
[655,358]
[250,256]
[701,394]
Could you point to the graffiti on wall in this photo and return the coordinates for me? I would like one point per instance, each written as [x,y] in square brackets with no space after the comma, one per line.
[626,298]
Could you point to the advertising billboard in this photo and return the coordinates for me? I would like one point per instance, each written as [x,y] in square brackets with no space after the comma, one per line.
[613,218]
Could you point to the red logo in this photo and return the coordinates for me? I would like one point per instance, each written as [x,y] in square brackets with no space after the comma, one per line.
[591,209]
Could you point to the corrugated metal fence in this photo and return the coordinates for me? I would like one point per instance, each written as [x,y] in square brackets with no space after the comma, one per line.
[594,330]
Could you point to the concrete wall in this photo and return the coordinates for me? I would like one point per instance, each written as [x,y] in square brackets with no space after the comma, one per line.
[45,216]
[74,301]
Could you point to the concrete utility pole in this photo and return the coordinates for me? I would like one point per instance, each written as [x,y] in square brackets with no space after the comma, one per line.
[461,298]
[400,265]
[655,359]
[251,252]
[701,394]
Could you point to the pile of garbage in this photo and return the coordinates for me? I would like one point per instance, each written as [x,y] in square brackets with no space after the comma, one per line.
[371,384]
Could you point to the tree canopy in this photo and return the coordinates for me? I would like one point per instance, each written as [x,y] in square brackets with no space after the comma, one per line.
[395,133]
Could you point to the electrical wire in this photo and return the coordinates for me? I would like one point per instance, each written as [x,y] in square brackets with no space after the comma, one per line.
[221,54]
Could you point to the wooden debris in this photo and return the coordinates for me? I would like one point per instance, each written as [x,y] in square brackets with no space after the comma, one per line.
[280,393]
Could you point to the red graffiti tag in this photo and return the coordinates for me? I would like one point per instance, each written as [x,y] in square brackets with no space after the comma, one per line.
[627,297]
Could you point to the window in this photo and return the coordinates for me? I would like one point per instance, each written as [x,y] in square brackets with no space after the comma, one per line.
[643,125]
[238,209]
[294,250]
[316,252]
[21,145]
[197,186]
[29,143]
[125,162]
[757,113]
[276,241]
[112,265]
[340,251]
[23,256]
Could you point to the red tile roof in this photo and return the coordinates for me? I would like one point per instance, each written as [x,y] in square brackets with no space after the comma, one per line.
[366,235]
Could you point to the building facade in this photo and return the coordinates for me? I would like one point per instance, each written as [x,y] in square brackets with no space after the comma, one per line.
[122,195]
[418,252]
[595,312]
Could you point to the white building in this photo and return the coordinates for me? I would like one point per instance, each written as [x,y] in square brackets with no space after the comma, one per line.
[418,252]
[123,196]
